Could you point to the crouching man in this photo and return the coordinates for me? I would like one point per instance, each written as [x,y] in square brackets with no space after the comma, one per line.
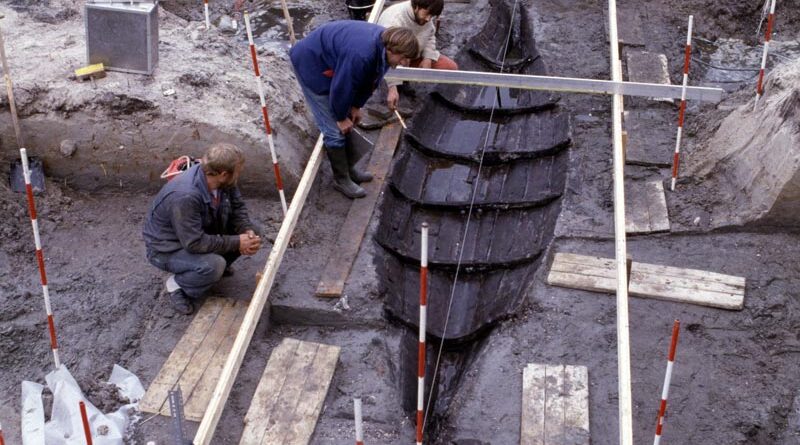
[198,225]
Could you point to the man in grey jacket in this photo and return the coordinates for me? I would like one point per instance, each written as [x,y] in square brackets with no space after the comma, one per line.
[198,225]
[418,16]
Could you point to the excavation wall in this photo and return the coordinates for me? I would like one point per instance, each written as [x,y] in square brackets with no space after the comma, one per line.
[753,159]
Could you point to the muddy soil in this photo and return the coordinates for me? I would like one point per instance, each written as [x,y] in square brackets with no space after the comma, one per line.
[735,379]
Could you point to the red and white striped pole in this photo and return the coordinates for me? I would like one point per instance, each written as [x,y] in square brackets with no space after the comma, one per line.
[40,256]
[767,38]
[2,442]
[267,126]
[676,327]
[682,111]
[87,430]
[423,316]
[359,425]
[208,21]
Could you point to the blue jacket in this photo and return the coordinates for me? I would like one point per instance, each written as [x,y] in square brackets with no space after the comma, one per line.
[181,217]
[344,60]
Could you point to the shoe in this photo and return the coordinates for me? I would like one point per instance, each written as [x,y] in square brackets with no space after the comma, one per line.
[356,175]
[171,284]
[181,303]
[341,174]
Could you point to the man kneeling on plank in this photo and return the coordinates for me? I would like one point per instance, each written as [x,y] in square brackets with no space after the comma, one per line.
[198,225]
[420,17]
[338,67]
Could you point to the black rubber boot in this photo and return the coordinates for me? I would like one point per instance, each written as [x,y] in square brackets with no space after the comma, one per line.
[341,174]
[358,176]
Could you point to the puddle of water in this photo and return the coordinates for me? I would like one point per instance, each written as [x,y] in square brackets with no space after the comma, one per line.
[743,58]
[269,24]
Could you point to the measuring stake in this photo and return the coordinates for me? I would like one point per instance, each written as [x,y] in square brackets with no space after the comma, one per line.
[208,21]
[10,90]
[423,315]
[40,256]
[359,424]
[2,442]
[292,38]
[87,430]
[767,38]
[682,110]
[265,115]
[676,327]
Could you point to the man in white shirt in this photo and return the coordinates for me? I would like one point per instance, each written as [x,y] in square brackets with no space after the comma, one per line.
[418,16]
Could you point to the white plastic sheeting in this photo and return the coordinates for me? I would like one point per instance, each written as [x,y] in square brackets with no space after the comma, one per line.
[65,426]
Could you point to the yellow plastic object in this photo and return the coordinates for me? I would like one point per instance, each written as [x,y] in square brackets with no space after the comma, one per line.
[97,70]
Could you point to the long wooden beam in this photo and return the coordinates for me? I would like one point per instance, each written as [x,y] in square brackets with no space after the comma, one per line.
[550,83]
[205,432]
[621,249]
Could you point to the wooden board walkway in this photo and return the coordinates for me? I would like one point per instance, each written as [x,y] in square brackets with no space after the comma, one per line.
[196,362]
[555,405]
[290,395]
[651,137]
[647,67]
[645,207]
[351,233]
[649,281]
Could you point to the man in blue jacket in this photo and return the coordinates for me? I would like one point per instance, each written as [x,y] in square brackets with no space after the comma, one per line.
[338,67]
[198,225]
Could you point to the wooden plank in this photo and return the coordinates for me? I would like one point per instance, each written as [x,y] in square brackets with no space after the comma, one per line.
[292,391]
[637,218]
[686,283]
[651,137]
[580,269]
[196,405]
[662,291]
[583,282]
[669,271]
[647,67]
[314,392]
[647,207]
[555,405]
[657,200]
[533,398]
[204,353]
[269,389]
[576,405]
[158,392]
[628,29]
[351,233]
[574,258]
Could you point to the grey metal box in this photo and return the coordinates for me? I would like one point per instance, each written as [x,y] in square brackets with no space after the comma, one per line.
[122,36]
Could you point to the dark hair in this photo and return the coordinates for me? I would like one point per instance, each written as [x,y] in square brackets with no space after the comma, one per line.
[222,157]
[434,7]
[401,41]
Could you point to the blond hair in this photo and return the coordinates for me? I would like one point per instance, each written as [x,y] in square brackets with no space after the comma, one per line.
[401,40]
[222,157]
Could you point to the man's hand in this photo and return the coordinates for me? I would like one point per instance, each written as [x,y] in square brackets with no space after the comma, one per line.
[355,115]
[345,126]
[426,63]
[392,98]
[249,243]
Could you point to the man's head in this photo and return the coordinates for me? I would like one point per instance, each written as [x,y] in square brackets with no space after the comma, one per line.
[426,10]
[401,46]
[223,163]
